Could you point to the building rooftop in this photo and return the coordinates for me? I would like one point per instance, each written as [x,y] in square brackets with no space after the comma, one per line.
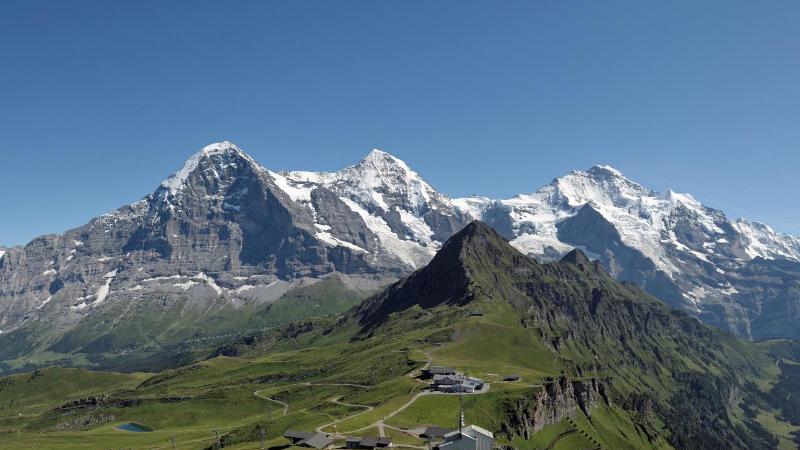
[440,377]
[435,432]
[369,441]
[318,440]
[293,434]
[473,429]
[469,434]
[308,438]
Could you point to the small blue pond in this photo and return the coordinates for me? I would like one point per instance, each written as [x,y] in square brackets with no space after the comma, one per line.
[134,427]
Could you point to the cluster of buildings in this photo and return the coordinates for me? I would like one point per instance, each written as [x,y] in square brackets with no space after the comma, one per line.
[320,441]
[446,379]
[443,379]
[470,437]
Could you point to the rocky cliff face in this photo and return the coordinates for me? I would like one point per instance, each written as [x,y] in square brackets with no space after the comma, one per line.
[219,227]
[555,401]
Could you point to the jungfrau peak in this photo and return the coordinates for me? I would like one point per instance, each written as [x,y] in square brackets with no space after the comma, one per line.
[682,251]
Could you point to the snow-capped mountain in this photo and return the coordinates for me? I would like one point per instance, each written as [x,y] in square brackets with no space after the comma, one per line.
[686,253]
[224,231]
[407,220]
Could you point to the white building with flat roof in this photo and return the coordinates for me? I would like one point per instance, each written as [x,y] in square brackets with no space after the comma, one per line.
[471,437]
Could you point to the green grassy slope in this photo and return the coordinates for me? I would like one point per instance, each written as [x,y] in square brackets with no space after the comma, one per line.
[167,333]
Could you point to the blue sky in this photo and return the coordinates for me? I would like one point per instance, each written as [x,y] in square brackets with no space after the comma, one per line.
[99,101]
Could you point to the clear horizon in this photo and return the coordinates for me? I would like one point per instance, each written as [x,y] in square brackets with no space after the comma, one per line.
[104,101]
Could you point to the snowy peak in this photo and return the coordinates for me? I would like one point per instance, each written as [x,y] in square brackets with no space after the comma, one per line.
[383,166]
[384,181]
[605,170]
[378,157]
[407,218]
[606,187]
[762,241]
[378,181]
[602,185]
[213,160]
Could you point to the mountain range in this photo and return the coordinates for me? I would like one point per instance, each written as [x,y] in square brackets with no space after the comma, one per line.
[225,238]
[597,364]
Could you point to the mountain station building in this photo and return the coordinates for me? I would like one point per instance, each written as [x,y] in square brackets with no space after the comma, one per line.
[471,437]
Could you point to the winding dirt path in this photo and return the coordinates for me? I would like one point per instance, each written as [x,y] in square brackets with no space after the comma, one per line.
[367,409]
[285,405]
[380,424]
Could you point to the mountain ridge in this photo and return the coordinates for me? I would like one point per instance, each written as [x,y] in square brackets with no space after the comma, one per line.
[223,225]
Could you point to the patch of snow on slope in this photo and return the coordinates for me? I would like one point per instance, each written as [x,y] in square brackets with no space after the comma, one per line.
[474,206]
[46,301]
[190,281]
[209,281]
[102,291]
[171,277]
[185,285]
[538,245]
[696,296]
[420,230]
[730,290]
[409,252]
[330,239]
[297,190]
[244,288]
[762,241]
[49,272]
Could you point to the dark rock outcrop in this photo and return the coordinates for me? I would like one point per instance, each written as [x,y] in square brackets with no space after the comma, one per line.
[556,400]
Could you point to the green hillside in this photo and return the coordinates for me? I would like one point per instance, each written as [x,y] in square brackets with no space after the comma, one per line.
[167,336]
[601,365]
